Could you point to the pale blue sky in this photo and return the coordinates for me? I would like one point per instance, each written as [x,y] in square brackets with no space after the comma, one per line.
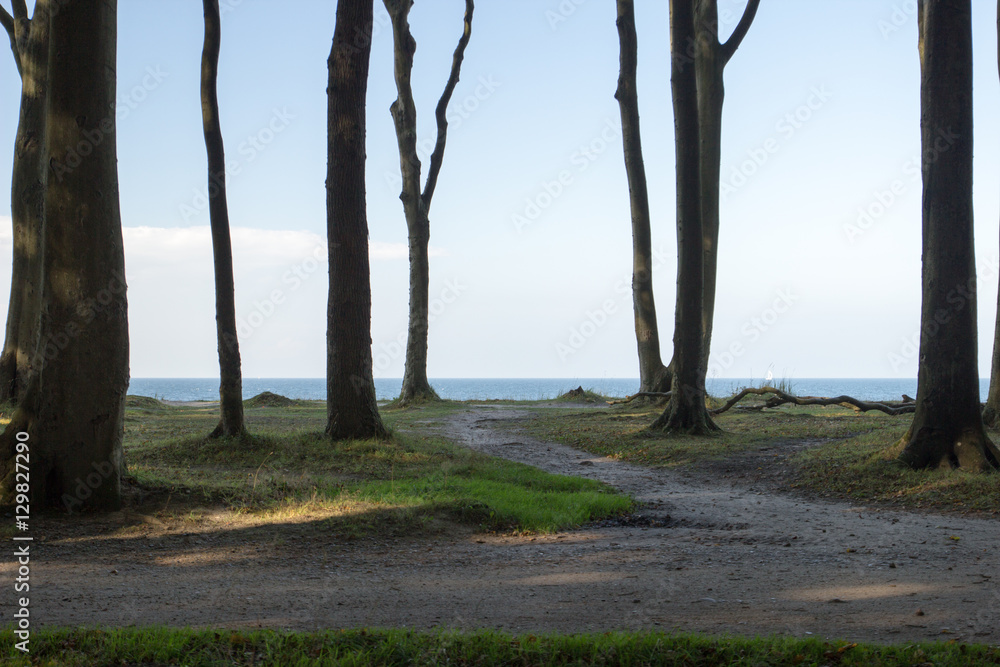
[824,94]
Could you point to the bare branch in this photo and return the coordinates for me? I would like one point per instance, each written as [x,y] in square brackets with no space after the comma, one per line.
[780,398]
[440,113]
[7,21]
[727,50]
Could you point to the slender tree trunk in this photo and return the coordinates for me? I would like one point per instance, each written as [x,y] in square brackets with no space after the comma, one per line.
[231,383]
[686,412]
[73,407]
[352,411]
[29,40]
[710,62]
[991,412]
[416,205]
[654,377]
[947,428]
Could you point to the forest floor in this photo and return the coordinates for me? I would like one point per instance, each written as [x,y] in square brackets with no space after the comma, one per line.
[724,546]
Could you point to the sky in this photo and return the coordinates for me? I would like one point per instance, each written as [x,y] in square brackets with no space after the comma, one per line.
[819,257]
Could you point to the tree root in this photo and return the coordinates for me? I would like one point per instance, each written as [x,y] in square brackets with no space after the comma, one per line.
[781,398]
[641,394]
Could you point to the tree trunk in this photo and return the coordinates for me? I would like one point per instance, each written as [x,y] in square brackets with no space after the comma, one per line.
[352,411]
[31,54]
[947,428]
[73,407]
[416,205]
[991,412]
[231,378]
[686,412]
[654,377]
[711,58]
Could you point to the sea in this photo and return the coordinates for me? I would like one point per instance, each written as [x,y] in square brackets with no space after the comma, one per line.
[520,389]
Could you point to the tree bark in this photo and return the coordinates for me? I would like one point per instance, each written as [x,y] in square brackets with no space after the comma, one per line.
[947,429]
[231,377]
[991,411]
[781,398]
[73,407]
[417,204]
[686,411]
[654,377]
[29,43]
[710,62]
[352,411]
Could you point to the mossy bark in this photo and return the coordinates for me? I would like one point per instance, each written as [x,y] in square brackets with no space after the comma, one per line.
[29,43]
[73,407]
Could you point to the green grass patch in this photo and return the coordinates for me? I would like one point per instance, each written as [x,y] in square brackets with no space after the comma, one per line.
[864,468]
[287,467]
[208,648]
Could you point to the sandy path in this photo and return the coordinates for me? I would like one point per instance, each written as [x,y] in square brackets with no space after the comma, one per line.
[728,560]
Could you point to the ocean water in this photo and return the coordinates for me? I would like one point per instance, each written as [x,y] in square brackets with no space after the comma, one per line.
[518,389]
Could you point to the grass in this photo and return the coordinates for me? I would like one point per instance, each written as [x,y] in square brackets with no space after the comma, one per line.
[288,468]
[204,648]
[850,455]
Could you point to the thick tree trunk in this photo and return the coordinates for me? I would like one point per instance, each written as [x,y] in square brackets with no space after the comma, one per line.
[654,377]
[991,411]
[73,408]
[231,383]
[947,429]
[416,205]
[23,312]
[352,411]
[686,412]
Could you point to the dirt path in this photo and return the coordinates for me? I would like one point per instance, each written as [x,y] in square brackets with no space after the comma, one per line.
[706,557]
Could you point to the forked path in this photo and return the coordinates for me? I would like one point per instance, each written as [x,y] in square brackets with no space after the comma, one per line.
[707,557]
[739,560]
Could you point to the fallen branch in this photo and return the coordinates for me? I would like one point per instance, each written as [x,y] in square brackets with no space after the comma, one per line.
[781,398]
[641,394]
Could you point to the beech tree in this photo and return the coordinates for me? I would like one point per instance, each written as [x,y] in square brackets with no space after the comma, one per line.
[686,412]
[947,428]
[231,378]
[29,42]
[352,411]
[72,411]
[710,58]
[991,411]
[654,377]
[417,204]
